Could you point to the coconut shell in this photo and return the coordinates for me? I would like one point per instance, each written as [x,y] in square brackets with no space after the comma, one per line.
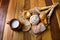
[17,28]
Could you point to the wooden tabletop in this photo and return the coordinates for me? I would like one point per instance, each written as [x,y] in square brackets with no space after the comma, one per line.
[14,11]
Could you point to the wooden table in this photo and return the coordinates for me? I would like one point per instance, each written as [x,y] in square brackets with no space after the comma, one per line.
[53,32]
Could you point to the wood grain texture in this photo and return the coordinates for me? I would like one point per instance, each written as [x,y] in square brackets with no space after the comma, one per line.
[3,13]
[57,11]
[21,5]
[15,10]
[8,33]
[27,35]
[0,2]
[18,35]
[48,32]
[56,33]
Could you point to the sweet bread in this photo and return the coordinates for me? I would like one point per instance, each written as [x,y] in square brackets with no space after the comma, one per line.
[38,28]
[26,24]
[34,19]
[26,14]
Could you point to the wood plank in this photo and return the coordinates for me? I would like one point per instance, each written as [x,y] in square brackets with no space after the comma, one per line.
[21,35]
[57,11]
[56,28]
[48,32]
[54,23]
[27,35]
[0,2]
[3,13]
[18,35]
[8,33]
[55,32]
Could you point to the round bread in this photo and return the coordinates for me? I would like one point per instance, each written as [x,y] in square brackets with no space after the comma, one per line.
[26,14]
[34,19]
[35,29]
[26,24]
[42,16]
[38,28]
[41,27]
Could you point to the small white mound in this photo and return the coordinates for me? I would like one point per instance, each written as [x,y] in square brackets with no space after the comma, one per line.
[15,24]
[34,19]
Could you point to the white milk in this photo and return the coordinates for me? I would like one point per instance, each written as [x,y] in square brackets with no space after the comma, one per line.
[15,24]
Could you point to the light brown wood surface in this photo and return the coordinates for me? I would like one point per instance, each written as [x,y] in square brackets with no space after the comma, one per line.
[8,33]
[14,11]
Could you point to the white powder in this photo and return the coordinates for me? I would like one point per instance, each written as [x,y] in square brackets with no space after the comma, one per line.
[15,24]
